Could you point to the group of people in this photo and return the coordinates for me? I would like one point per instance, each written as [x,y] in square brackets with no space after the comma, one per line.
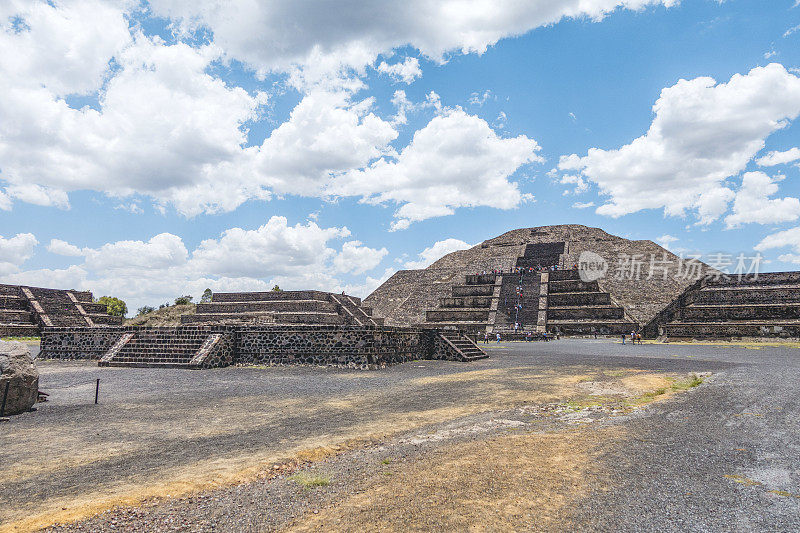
[523,270]
[636,337]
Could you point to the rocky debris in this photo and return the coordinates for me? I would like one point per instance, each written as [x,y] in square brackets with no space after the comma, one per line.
[18,369]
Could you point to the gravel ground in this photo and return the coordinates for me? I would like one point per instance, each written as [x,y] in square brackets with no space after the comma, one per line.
[723,457]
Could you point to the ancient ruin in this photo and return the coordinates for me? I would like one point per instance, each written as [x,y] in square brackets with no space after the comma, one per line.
[24,311]
[535,279]
[555,279]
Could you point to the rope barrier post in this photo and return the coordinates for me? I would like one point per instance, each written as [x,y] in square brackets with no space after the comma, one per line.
[5,396]
[96,391]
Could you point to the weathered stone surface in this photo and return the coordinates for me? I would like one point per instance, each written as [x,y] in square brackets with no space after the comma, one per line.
[19,371]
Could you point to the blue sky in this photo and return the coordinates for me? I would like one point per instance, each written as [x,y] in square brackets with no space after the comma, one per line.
[153,149]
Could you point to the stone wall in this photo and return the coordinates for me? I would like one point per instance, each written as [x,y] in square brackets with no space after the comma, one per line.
[343,346]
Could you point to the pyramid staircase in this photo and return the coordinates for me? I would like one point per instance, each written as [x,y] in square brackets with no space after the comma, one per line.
[461,347]
[766,305]
[581,307]
[472,308]
[24,310]
[283,307]
[181,347]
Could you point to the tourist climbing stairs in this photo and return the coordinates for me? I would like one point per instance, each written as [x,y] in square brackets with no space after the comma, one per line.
[159,347]
[465,349]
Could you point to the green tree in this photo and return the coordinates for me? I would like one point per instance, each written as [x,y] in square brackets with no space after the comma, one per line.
[114,306]
[207,296]
[183,300]
[276,289]
[144,310]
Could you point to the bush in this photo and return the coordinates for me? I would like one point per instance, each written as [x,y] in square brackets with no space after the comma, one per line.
[277,289]
[114,306]
[144,310]
[207,296]
[183,300]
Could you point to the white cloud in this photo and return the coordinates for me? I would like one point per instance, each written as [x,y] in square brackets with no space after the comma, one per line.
[480,99]
[14,251]
[65,46]
[157,270]
[274,247]
[580,184]
[357,258]
[406,71]
[583,205]
[791,30]
[702,133]
[666,240]
[457,160]
[433,253]
[789,238]
[781,239]
[273,36]
[59,247]
[753,205]
[779,158]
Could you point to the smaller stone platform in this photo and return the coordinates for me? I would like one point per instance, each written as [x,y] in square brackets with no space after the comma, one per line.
[283,308]
[209,346]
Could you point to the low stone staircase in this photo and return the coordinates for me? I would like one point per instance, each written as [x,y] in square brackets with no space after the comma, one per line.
[463,347]
[160,347]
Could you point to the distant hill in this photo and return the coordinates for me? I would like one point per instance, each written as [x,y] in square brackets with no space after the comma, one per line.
[167,316]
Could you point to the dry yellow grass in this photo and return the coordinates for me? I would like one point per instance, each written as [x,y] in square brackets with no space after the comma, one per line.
[489,391]
[508,483]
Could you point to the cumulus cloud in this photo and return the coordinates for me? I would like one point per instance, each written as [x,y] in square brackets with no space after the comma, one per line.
[457,160]
[779,158]
[754,205]
[789,238]
[163,125]
[299,256]
[59,247]
[406,71]
[702,134]
[436,251]
[279,36]
[357,258]
[14,251]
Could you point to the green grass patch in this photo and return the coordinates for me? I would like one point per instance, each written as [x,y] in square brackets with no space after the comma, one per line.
[686,383]
[386,461]
[311,481]
[22,339]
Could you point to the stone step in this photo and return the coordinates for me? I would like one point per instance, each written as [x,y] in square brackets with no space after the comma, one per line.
[734,328]
[19,330]
[147,364]
[472,290]
[13,302]
[277,317]
[466,302]
[748,311]
[9,290]
[578,298]
[730,296]
[573,286]
[15,316]
[324,306]
[457,314]
[599,312]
